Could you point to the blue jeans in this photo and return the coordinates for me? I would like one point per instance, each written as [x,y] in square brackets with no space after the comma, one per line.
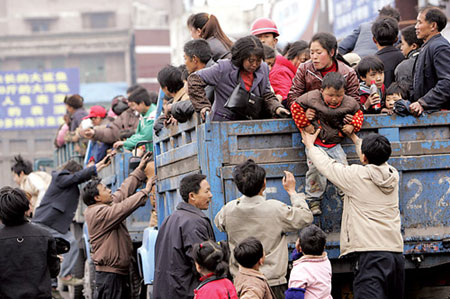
[315,182]
[70,258]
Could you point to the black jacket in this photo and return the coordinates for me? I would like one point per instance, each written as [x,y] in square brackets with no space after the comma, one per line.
[391,57]
[28,260]
[60,202]
[404,70]
[175,274]
[432,74]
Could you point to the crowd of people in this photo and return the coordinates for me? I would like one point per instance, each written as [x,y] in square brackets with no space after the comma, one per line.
[326,87]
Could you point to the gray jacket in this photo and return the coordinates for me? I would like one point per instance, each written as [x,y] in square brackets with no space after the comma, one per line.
[404,70]
[359,42]
[219,51]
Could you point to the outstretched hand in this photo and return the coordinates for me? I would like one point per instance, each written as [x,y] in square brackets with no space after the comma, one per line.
[309,139]
[289,182]
[147,157]
[150,183]
[282,112]
[105,162]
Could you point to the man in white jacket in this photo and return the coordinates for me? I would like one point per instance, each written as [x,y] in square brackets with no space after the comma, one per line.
[370,227]
[267,220]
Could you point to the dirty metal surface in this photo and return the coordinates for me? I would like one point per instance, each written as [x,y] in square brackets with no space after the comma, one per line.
[421,153]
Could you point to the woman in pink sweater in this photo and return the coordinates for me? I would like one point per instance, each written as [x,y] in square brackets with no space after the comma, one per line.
[311,276]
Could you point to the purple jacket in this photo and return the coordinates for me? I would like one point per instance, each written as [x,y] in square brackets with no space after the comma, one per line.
[225,76]
[76,118]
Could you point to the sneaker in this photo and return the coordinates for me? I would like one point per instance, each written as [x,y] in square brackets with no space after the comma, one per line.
[314,206]
[56,294]
[72,281]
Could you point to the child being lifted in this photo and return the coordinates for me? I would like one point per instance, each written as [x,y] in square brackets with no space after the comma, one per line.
[337,115]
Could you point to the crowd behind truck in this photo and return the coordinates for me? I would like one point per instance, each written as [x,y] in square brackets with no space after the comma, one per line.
[235,125]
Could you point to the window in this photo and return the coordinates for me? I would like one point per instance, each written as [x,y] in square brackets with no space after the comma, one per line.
[99,20]
[32,63]
[92,69]
[40,26]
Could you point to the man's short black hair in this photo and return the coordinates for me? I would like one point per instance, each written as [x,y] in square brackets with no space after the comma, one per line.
[13,205]
[376,148]
[140,95]
[248,252]
[389,11]
[312,240]
[72,166]
[369,63]
[171,77]
[190,183]
[434,14]
[385,31]
[133,88]
[399,88]
[198,48]
[334,80]
[90,191]
[249,178]
[244,48]
[410,37]
[21,165]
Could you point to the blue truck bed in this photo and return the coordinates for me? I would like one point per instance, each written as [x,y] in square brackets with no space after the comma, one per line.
[421,153]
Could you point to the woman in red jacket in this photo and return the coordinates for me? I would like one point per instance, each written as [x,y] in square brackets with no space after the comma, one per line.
[211,261]
[324,59]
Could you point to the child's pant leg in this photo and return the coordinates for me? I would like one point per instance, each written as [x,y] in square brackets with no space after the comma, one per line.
[338,154]
[315,183]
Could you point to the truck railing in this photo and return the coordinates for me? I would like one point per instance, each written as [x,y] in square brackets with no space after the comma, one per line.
[67,152]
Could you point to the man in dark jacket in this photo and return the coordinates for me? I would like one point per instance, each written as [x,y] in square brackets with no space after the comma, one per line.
[385,32]
[111,245]
[175,274]
[431,82]
[58,207]
[27,252]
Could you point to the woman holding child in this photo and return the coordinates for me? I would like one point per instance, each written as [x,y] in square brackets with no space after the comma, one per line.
[324,60]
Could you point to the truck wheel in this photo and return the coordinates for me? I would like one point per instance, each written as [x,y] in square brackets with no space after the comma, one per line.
[89,280]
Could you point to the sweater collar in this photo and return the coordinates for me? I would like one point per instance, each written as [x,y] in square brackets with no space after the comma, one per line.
[253,199]
[387,50]
[312,258]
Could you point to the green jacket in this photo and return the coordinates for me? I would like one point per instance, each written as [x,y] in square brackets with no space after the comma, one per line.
[144,131]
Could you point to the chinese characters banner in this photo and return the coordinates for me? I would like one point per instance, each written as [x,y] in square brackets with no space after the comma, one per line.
[34,99]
